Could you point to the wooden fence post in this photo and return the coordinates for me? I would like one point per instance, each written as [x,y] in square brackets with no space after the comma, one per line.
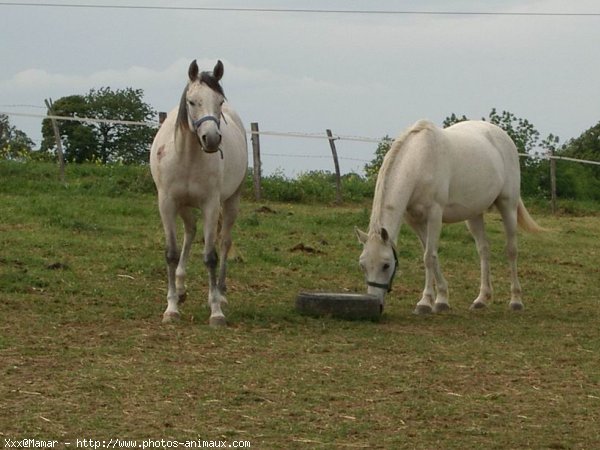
[256,167]
[59,150]
[162,116]
[553,181]
[338,179]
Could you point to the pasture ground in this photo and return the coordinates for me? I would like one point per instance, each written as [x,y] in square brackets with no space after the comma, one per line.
[83,353]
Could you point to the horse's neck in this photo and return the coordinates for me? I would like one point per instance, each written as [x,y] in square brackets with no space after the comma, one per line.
[389,205]
[186,144]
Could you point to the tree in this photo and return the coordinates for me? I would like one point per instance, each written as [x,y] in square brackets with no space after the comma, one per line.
[14,143]
[584,179]
[103,141]
[526,137]
[372,168]
[521,131]
[127,143]
[77,138]
[586,146]
[452,119]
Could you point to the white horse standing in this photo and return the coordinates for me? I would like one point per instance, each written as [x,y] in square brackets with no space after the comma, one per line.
[199,160]
[431,176]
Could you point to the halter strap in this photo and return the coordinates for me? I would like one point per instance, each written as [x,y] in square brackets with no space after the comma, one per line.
[387,285]
[201,120]
[209,118]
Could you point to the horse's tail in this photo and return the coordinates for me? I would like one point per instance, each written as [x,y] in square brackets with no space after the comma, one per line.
[525,221]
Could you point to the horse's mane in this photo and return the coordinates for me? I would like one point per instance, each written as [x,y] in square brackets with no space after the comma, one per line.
[395,152]
[208,79]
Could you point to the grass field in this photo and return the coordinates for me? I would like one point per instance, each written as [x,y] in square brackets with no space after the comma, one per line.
[83,353]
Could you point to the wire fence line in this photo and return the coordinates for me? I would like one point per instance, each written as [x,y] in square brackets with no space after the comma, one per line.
[321,11]
[282,134]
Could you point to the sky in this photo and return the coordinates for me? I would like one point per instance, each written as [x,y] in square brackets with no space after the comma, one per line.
[358,74]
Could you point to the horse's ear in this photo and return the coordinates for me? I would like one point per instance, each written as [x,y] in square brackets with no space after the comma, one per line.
[384,235]
[361,235]
[193,71]
[218,70]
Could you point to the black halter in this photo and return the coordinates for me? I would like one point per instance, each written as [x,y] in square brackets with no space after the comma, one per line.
[387,285]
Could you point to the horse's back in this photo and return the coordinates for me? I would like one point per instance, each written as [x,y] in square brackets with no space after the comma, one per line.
[484,166]
[479,136]
[464,168]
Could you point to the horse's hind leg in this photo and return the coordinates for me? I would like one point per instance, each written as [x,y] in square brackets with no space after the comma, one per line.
[509,218]
[211,259]
[477,228]
[168,216]
[230,211]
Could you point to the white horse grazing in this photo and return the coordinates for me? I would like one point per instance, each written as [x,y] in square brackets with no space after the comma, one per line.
[430,176]
[199,160]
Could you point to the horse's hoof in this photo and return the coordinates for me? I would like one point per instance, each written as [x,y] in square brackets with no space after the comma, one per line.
[478,305]
[441,307]
[422,310]
[170,317]
[217,321]
[516,306]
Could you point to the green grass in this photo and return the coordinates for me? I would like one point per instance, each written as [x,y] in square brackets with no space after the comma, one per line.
[83,352]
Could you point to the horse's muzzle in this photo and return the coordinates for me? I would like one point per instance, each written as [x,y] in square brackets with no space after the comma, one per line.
[210,139]
[210,142]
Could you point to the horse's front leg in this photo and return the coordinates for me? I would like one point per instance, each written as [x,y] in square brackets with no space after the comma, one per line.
[189,222]
[211,260]
[168,213]
[430,236]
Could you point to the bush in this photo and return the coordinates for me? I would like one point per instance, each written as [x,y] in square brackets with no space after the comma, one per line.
[311,187]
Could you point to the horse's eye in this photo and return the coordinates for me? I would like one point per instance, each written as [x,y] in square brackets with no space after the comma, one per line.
[191,103]
[386,266]
[222,102]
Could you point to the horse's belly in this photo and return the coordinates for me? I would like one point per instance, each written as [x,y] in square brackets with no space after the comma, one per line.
[457,212]
[471,193]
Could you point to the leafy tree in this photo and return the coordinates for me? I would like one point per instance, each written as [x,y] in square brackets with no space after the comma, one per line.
[452,119]
[521,131]
[77,138]
[116,141]
[103,141]
[584,179]
[372,168]
[14,143]
[534,170]
[586,146]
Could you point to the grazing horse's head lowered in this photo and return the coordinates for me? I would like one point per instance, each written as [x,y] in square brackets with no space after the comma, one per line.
[378,262]
[200,109]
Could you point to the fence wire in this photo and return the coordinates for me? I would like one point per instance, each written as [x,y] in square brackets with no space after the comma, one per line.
[283,134]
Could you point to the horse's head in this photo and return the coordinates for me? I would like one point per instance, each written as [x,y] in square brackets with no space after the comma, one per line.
[201,104]
[378,261]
